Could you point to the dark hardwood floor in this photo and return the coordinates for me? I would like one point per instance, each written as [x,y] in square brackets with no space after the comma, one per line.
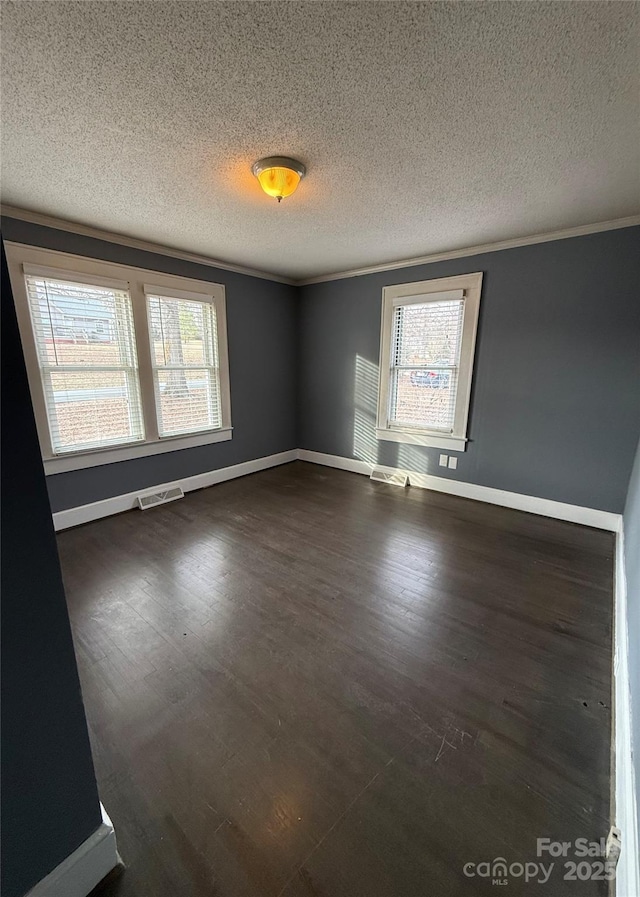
[304,683]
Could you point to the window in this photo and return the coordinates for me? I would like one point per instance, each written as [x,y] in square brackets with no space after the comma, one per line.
[122,362]
[185,366]
[426,361]
[85,341]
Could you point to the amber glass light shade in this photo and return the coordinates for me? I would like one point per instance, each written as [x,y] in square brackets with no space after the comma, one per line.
[279,176]
[279,182]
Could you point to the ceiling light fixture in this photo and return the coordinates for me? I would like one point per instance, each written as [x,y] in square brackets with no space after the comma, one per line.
[278,175]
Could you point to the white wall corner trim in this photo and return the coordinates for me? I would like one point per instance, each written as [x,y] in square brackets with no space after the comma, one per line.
[82,870]
[118,503]
[625,812]
[96,233]
[514,243]
[85,230]
[530,503]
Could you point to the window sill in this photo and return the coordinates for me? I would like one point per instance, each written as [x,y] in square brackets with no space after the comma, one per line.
[413,437]
[79,461]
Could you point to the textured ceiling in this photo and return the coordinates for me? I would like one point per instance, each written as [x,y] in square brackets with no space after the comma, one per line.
[425,127]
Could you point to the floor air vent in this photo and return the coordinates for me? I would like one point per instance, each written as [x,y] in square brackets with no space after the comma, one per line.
[159,498]
[395,479]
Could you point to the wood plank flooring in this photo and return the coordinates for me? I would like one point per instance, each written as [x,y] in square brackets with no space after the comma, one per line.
[303,683]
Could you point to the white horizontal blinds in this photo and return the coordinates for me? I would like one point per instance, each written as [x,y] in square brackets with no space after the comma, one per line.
[86,349]
[184,349]
[425,359]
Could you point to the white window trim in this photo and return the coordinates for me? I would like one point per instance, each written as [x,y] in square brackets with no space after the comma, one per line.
[21,256]
[470,286]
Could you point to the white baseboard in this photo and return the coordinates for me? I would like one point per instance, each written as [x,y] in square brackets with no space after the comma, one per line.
[530,503]
[625,813]
[82,870]
[118,503]
[353,465]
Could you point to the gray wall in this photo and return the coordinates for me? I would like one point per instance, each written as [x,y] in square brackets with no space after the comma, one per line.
[556,383]
[261,322]
[554,408]
[632,564]
[49,794]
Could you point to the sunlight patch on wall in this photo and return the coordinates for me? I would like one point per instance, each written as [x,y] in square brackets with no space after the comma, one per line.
[365,401]
[411,457]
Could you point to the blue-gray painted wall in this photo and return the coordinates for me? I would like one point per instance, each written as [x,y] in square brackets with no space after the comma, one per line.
[556,390]
[49,792]
[262,334]
[632,565]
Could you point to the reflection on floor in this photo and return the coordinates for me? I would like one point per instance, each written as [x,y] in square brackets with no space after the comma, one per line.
[304,683]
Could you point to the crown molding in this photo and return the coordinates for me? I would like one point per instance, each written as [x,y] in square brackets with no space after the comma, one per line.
[96,233]
[514,243]
[123,240]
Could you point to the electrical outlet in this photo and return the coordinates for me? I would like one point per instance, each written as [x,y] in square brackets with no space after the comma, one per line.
[443,460]
[453,463]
